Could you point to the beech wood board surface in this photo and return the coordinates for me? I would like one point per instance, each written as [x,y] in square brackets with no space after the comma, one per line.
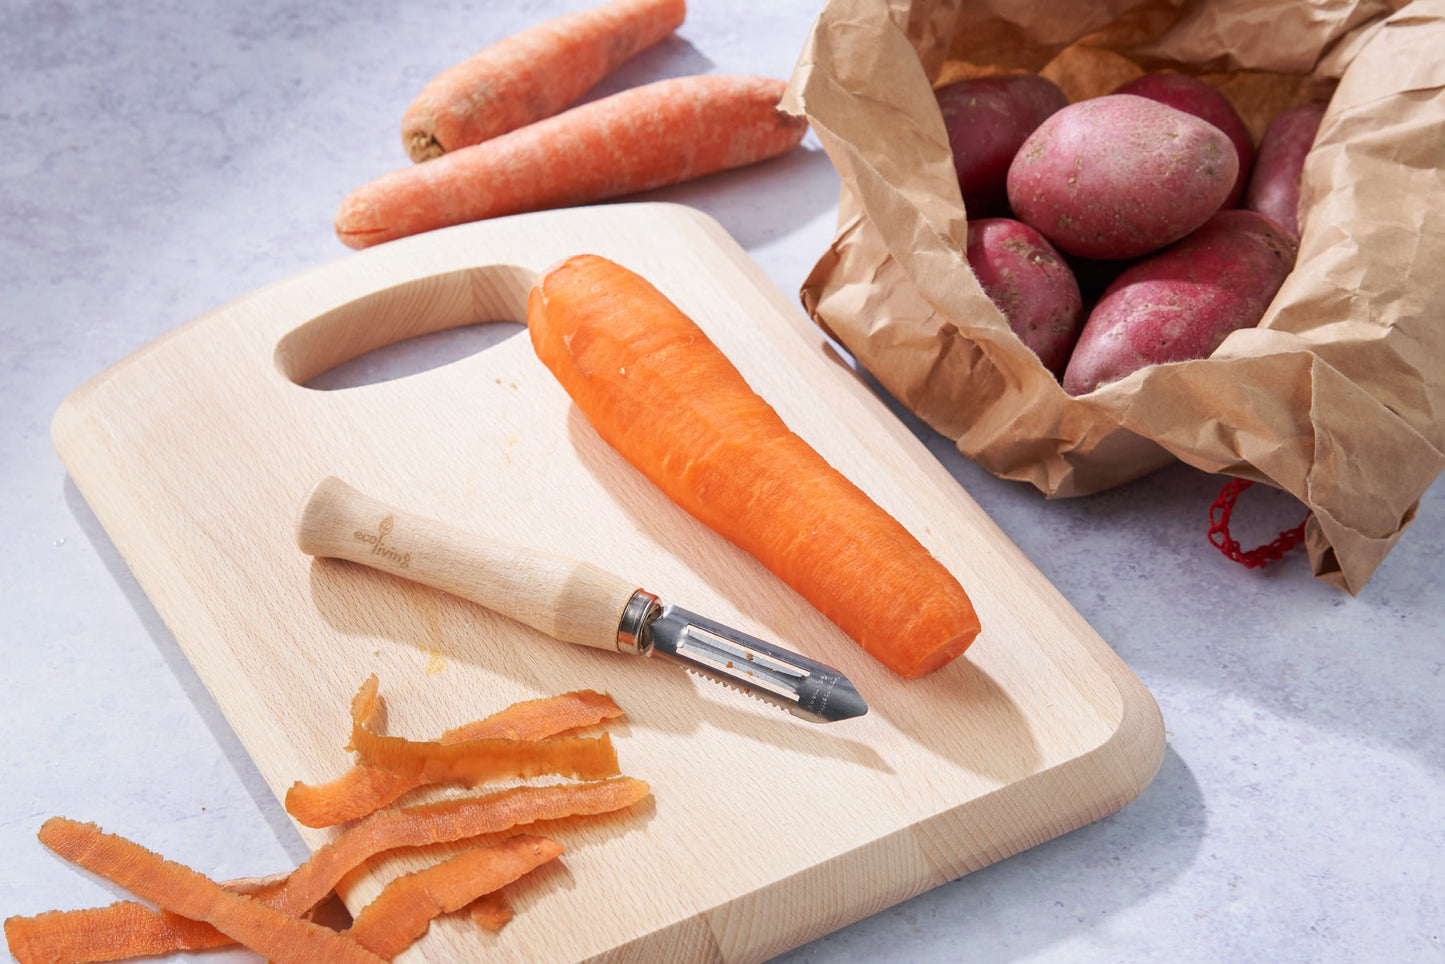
[763,831]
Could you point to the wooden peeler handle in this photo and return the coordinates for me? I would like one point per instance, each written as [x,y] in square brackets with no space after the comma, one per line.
[569,600]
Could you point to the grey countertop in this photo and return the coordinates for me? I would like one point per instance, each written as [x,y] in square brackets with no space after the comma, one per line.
[163,158]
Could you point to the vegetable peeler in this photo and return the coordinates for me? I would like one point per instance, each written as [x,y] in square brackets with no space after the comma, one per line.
[569,600]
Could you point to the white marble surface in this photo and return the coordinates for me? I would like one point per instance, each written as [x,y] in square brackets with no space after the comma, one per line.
[163,157]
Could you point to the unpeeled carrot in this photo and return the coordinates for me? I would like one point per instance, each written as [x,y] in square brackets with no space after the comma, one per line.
[532,74]
[367,787]
[262,928]
[406,906]
[654,387]
[646,137]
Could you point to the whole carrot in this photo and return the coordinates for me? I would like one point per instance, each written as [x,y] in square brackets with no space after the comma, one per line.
[532,74]
[661,133]
[661,393]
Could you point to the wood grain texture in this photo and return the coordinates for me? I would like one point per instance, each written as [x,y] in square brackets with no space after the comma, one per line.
[197,452]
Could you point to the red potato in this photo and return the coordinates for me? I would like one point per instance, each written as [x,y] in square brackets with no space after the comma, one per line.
[1181,303]
[1274,187]
[987,119]
[1029,281]
[1120,176]
[1207,102]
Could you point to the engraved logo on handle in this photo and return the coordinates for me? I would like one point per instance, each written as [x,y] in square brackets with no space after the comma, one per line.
[377,541]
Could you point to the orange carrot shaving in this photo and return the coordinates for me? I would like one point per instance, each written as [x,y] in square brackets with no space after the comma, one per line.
[532,74]
[661,133]
[363,789]
[180,890]
[540,719]
[405,908]
[367,787]
[131,925]
[115,932]
[447,821]
[118,931]
[471,762]
[364,703]
[491,910]
[663,395]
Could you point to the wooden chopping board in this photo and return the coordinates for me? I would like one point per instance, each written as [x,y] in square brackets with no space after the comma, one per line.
[763,831]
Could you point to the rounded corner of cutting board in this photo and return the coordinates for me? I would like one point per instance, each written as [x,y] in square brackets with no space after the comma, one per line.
[1134,751]
[68,421]
[62,423]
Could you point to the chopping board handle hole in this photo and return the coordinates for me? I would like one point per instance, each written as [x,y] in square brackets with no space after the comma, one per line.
[408,328]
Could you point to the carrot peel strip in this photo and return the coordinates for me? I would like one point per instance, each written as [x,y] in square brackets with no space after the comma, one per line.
[447,821]
[363,789]
[262,928]
[471,762]
[541,718]
[118,931]
[34,940]
[114,932]
[164,932]
[406,906]
[367,787]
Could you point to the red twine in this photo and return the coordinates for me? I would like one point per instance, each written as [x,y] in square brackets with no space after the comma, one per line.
[1219,536]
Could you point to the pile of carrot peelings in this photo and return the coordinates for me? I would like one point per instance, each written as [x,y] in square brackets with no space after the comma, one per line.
[273,916]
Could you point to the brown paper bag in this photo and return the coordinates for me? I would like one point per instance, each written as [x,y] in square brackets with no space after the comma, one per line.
[1337,397]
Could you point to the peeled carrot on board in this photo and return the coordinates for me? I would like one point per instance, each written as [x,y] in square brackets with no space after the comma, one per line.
[661,393]
[367,787]
[646,137]
[406,906]
[262,928]
[532,74]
